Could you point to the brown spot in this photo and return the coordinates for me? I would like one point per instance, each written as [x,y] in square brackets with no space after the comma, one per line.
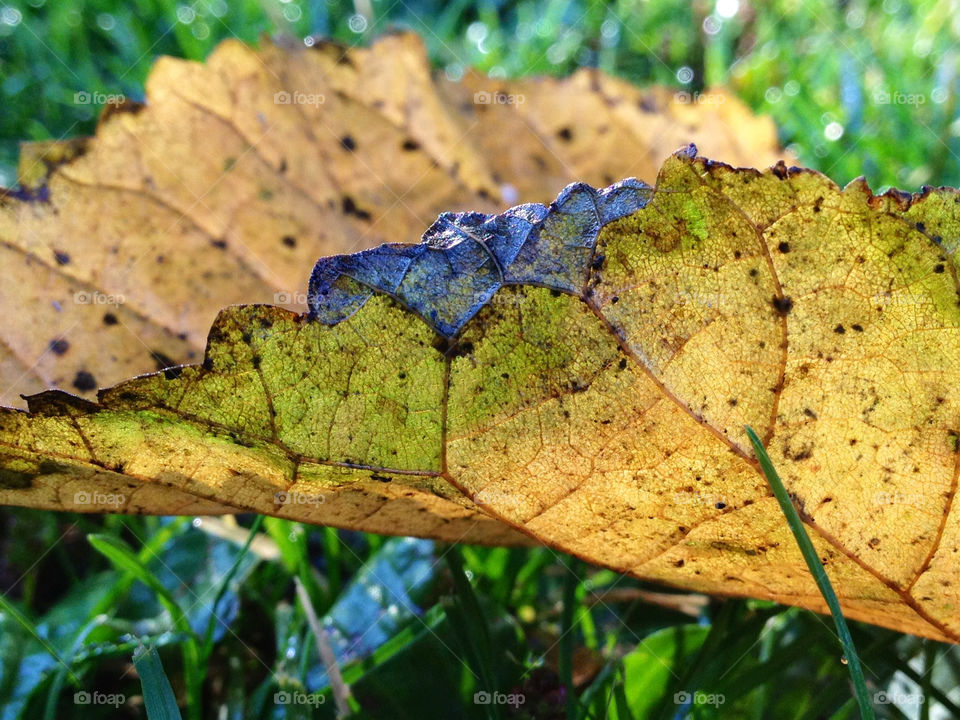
[162,361]
[84,381]
[565,134]
[783,305]
[348,143]
[839,330]
[784,247]
[59,346]
[289,240]
[349,207]
[110,319]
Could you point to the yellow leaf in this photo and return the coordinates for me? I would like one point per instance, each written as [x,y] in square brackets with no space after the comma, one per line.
[238,173]
[582,374]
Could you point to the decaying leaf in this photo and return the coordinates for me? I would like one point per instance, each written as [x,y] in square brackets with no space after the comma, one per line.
[582,374]
[238,173]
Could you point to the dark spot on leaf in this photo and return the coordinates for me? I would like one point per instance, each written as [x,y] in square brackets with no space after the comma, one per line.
[61,257]
[219,244]
[461,349]
[350,208]
[732,402]
[84,381]
[565,134]
[59,346]
[720,505]
[347,143]
[13,480]
[622,364]
[783,305]
[839,329]
[172,373]
[162,361]
[938,268]
[410,145]
[289,240]
[784,247]
[110,319]
[858,328]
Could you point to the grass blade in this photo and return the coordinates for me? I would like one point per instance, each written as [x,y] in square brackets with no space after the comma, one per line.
[819,575]
[158,696]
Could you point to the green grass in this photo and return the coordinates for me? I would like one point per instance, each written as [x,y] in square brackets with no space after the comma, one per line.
[885,72]
[420,628]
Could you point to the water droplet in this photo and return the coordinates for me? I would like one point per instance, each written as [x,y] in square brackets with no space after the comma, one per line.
[685,75]
[357,23]
[186,14]
[106,22]
[727,8]
[477,32]
[833,131]
[712,25]
[10,16]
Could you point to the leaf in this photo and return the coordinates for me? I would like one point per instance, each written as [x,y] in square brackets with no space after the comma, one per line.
[583,373]
[217,192]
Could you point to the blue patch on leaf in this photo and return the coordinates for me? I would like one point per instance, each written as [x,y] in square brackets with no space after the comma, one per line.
[464,258]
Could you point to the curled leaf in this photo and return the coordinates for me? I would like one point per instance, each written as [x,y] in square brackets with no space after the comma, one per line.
[581,374]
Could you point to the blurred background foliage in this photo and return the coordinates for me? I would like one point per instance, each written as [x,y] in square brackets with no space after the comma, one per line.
[419,629]
[855,87]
